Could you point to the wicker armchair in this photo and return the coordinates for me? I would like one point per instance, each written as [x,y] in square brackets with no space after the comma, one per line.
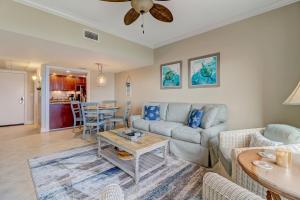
[234,143]
[112,192]
[216,187]
[230,140]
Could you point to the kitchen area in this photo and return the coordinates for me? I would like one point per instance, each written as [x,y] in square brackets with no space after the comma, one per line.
[64,87]
[59,85]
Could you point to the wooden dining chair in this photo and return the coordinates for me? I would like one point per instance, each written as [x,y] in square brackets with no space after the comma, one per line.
[77,115]
[109,114]
[124,119]
[92,118]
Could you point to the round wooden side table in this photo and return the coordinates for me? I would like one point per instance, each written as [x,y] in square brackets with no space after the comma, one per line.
[279,181]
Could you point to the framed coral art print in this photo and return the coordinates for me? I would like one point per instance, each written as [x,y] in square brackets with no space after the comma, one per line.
[171,75]
[204,71]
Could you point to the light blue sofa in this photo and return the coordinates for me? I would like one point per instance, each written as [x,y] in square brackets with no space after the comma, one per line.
[185,142]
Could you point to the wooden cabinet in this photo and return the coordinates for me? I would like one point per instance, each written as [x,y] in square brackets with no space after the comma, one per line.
[60,116]
[80,81]
[69,83]
[62,83]
[56,83]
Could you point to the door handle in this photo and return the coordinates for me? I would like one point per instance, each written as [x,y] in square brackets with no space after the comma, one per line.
[21,100]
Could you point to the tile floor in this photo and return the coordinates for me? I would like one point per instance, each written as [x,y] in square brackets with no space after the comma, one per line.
[20,143]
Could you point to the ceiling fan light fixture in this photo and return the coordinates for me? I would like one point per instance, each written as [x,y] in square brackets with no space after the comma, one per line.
[142,6]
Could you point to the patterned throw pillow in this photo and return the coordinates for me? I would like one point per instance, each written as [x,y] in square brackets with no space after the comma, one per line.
[195,118]
[258,140]
[152,113]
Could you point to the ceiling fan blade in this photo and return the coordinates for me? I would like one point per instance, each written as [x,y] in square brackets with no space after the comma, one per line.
[131,16]
[115,0]
[161,13]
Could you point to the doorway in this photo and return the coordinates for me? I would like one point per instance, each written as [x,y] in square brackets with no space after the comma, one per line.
[12,101]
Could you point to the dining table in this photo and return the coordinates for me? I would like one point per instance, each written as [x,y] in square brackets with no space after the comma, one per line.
[279,181]
[104,109]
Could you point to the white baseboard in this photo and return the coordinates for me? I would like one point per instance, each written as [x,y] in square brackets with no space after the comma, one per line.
[44,130]
[28,122]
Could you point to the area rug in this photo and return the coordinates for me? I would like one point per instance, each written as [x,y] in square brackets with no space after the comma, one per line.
[79,174]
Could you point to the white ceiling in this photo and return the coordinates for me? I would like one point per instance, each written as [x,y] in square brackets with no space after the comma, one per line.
[27,53]
[191,17]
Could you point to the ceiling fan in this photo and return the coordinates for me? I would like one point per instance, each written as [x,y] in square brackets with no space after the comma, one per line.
[140,7]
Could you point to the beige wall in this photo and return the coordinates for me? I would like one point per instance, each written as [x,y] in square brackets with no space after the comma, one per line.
[106,92]
[260,66]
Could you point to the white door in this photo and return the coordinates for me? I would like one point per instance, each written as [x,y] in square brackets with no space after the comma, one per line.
[12,101]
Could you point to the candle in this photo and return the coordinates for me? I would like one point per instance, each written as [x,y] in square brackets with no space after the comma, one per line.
[283,157]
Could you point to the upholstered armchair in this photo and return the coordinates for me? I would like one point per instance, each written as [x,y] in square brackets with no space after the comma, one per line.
[216,187]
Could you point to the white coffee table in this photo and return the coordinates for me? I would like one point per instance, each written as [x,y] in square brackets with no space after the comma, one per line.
[145,160]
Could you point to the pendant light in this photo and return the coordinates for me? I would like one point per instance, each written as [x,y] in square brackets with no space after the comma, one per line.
[101,79]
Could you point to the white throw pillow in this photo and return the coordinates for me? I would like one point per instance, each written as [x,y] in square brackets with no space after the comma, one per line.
[258,140]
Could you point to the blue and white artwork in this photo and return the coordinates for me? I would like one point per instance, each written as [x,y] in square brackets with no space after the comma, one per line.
[171,75]
[204,71]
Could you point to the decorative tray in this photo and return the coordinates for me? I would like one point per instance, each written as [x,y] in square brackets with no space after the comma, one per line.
[129,134]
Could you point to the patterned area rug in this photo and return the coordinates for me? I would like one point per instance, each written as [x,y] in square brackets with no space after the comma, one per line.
[79,174]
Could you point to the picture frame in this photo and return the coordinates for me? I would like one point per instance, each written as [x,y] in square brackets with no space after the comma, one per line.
[171,75]
[204,71]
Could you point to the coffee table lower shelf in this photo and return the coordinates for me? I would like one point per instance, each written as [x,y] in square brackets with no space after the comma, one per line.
[137,167]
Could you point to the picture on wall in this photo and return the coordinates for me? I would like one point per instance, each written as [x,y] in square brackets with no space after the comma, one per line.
[204,71]
[171,75]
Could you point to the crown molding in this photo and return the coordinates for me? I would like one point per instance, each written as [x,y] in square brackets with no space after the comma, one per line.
[226,22]
[166,42]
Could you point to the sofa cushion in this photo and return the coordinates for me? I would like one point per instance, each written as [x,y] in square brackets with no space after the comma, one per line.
[163,127]
[152,113]
[258,140]
[209,117]
[222,114]
[141,124]
[163,108]
[178,112]
[195,118]
[282,133]
[187,134]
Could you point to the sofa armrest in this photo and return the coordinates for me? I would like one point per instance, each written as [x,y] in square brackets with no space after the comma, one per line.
[134,118]
[237,138]
[211,132]
[216,187]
